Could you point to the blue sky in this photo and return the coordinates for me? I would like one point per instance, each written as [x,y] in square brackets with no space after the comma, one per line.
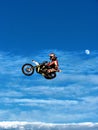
[29,26]
[31,30]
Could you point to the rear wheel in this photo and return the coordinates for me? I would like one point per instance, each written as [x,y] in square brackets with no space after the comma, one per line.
[51,75]
[27,69]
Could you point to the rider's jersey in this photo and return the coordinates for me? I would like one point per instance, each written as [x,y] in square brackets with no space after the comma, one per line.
[53,64]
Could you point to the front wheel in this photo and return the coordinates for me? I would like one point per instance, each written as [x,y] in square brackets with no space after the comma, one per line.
[27,69]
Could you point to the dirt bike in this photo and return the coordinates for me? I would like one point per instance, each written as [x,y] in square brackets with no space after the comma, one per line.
[41,68]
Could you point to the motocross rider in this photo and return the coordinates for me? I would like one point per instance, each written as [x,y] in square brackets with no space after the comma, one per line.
[53,64]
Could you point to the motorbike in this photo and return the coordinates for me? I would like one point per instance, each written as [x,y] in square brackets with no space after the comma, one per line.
[41,68]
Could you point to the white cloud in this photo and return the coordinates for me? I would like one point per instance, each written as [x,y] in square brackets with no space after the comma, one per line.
[55,110]
[11,64]
[48,126]
[72,96]
[10,93]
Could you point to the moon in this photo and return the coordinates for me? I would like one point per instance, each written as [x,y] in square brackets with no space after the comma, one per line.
[87,52]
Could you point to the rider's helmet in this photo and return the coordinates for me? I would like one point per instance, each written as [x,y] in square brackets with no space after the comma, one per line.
[52,56]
